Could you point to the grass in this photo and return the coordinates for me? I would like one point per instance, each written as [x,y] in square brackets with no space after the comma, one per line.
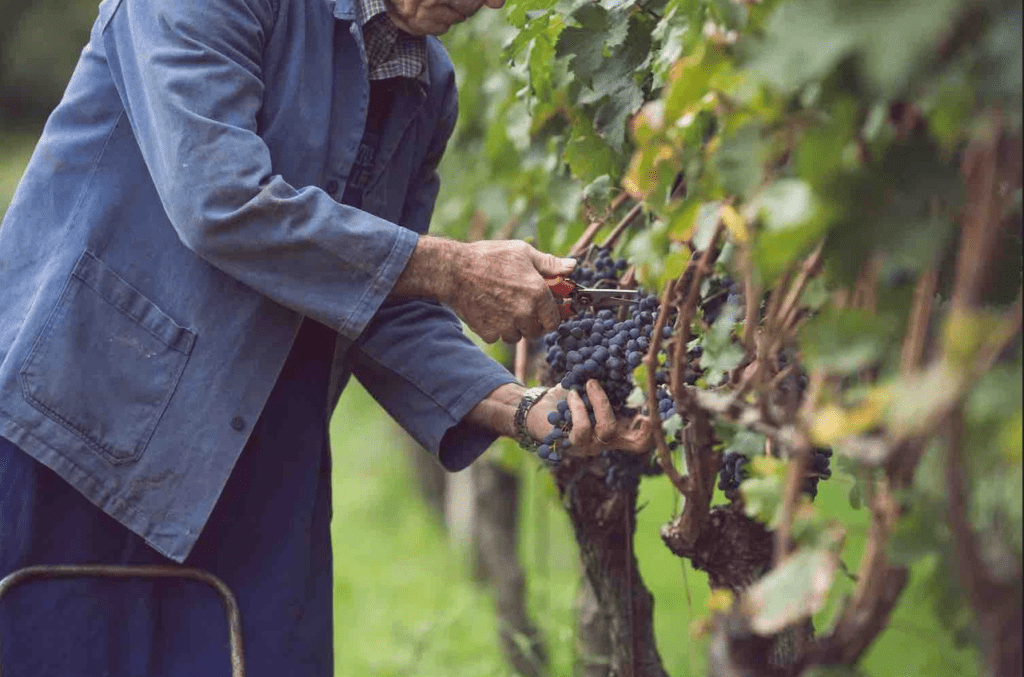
[405,601]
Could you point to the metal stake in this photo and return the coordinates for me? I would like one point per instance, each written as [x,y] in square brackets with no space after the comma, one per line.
[155,571]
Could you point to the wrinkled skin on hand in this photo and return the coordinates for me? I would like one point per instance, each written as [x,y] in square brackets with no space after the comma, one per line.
[498,289]
[632,435]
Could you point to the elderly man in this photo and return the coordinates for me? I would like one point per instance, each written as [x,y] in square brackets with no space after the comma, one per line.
[223,220]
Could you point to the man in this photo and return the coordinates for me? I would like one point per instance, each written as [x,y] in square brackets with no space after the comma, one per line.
[223,220]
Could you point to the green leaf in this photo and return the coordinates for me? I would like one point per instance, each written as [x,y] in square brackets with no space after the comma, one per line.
[670,35]
[795,590]
[690,80]
[774,251]
[708,216]
[587,154]
[740,160]
[675,263]
[762,498]
[518,10]
[646,251]
[613,87]
[521,40]
[619,101]
[671,426]
[905,207]
[721,353]
[785,203]
[806,39]
[748,443]
[845,341]
[542,56]
[819,156]
[586,49]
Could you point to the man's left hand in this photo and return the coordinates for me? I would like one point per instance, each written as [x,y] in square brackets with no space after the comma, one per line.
[631,435]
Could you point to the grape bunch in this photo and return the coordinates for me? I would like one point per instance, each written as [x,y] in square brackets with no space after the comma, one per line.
[555,443]
[623,471]
[598,346]
[721,291]
[797,380]
[734,470]
[820,470]
[604,271]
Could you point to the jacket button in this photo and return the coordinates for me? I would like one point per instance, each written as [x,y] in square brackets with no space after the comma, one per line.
[332,187]
[238,423]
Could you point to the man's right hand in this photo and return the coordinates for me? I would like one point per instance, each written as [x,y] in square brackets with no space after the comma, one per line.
[496,287]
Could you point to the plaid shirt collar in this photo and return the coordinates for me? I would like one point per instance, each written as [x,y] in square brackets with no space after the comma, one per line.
[390,52]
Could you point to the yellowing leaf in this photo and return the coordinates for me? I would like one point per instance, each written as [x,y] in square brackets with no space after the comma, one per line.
[675,263]
[683,219]
[644,169]
[832,422]
[720,600]
[735,223]
[965,332]
[767,466]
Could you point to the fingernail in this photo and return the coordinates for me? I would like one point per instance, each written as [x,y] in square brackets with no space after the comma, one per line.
[569,262]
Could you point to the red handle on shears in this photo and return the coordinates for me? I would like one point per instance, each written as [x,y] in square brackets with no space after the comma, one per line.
[562,288]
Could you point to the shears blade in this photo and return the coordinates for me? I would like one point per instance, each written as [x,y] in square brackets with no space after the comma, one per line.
[572,298]
[600,298]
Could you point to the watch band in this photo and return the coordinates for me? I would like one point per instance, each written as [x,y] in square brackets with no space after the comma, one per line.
[530,397]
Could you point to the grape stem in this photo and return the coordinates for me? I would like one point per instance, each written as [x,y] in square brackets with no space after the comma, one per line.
[596,225]
[622,225]
[651,362]
[693,275]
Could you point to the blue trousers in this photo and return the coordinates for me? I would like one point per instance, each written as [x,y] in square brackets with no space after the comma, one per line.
[268,539]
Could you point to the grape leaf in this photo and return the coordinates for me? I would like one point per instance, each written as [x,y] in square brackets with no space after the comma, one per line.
[806,39]
[587,154]
[519,10]
[586,49]
[845,341]
[798,588]
[721,354]
[740,159]
[784,204]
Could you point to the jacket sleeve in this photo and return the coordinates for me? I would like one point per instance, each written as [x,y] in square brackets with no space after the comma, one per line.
[415,361]
[414,358]
[189,75]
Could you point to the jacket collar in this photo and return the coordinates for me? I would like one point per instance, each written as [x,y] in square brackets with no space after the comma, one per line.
[343,9]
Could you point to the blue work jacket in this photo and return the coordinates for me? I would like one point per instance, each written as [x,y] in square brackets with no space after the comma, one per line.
[179,218]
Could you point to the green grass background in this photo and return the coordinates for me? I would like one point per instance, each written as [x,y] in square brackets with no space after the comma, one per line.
[405,601]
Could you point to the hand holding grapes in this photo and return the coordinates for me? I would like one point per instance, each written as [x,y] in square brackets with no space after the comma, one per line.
[589,437]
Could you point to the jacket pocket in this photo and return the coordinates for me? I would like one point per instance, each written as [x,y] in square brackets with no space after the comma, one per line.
[106,362]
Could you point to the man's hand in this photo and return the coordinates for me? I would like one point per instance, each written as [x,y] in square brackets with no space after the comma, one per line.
[496,287]
[496,413]
[631,435]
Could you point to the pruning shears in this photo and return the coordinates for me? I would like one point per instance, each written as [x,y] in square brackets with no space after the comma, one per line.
[572,298]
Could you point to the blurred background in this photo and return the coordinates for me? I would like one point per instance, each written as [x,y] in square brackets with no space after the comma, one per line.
[410,598]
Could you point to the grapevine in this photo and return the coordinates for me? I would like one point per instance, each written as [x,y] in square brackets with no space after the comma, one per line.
[827,233]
